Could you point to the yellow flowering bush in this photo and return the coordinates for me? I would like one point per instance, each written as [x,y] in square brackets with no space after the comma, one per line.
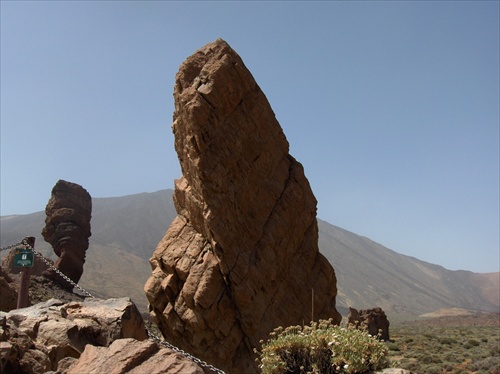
[321,348]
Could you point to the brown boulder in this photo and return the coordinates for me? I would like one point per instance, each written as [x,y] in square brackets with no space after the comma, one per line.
[132,357]
[373,320]
[37,338]
[67,229]
[241,258]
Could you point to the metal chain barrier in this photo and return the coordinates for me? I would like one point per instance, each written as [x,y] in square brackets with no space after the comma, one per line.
[151,335]
[12,246]
[204,364]
[60,273]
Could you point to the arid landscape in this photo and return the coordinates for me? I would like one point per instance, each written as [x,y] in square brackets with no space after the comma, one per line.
[467,343]
[126,230]
[250,187]
[461,338]
[241,258]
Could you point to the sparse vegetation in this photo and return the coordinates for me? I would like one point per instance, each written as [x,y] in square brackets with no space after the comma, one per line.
[456,346]
[322,348]
[424,348]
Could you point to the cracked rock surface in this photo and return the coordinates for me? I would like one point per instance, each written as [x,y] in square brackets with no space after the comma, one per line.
[242,257]
[67,229]
[52,335]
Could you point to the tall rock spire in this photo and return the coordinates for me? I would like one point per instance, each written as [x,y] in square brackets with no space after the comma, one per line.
[67,229]
[242,257]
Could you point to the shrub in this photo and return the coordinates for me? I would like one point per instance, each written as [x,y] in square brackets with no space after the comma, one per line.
[471,343]
[393,347]
[447,367]
[495,350]
[487,364]
[322,348]
[430,359]
[433,370]
[451,357]
[448,341]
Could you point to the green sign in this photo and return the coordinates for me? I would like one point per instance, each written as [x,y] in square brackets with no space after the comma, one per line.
[23,257]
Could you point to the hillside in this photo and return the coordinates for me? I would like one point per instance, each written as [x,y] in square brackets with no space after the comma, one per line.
[126,230]
[398,283]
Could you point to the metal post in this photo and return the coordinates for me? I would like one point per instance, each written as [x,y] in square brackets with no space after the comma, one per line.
[312,305]
[23,298]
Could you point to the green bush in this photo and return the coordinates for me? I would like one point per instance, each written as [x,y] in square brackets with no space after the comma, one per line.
[473,342]
[322,348]
[448,341]
[433,370]
[426,358]
[393,347]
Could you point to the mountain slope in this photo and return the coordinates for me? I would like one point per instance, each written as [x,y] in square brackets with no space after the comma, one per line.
[370,274]
[134,223]
[126,230]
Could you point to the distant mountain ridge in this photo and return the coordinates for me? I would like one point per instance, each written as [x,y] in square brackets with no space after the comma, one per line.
[126,230]
[401,283]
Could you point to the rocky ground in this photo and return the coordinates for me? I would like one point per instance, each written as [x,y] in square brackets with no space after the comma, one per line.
[90,336]
[43,289]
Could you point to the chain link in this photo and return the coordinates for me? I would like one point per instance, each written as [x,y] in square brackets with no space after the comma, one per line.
[12,246]
[151,335]
[64,276]
[204,364]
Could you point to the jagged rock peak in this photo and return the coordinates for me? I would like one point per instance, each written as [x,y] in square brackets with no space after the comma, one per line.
[242,256]
[67,229]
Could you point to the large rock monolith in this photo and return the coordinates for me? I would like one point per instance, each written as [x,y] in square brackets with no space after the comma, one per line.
[67,229]
[241,258]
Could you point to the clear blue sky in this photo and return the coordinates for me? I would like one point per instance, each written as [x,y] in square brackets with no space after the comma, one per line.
[392,107]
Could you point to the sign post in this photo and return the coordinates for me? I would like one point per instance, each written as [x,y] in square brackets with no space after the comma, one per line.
[24,257]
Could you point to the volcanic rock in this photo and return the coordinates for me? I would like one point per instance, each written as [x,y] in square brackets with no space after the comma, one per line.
[67,229]
[132,357]
[241,258]
[8,301]
[373,320]
[37,338]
